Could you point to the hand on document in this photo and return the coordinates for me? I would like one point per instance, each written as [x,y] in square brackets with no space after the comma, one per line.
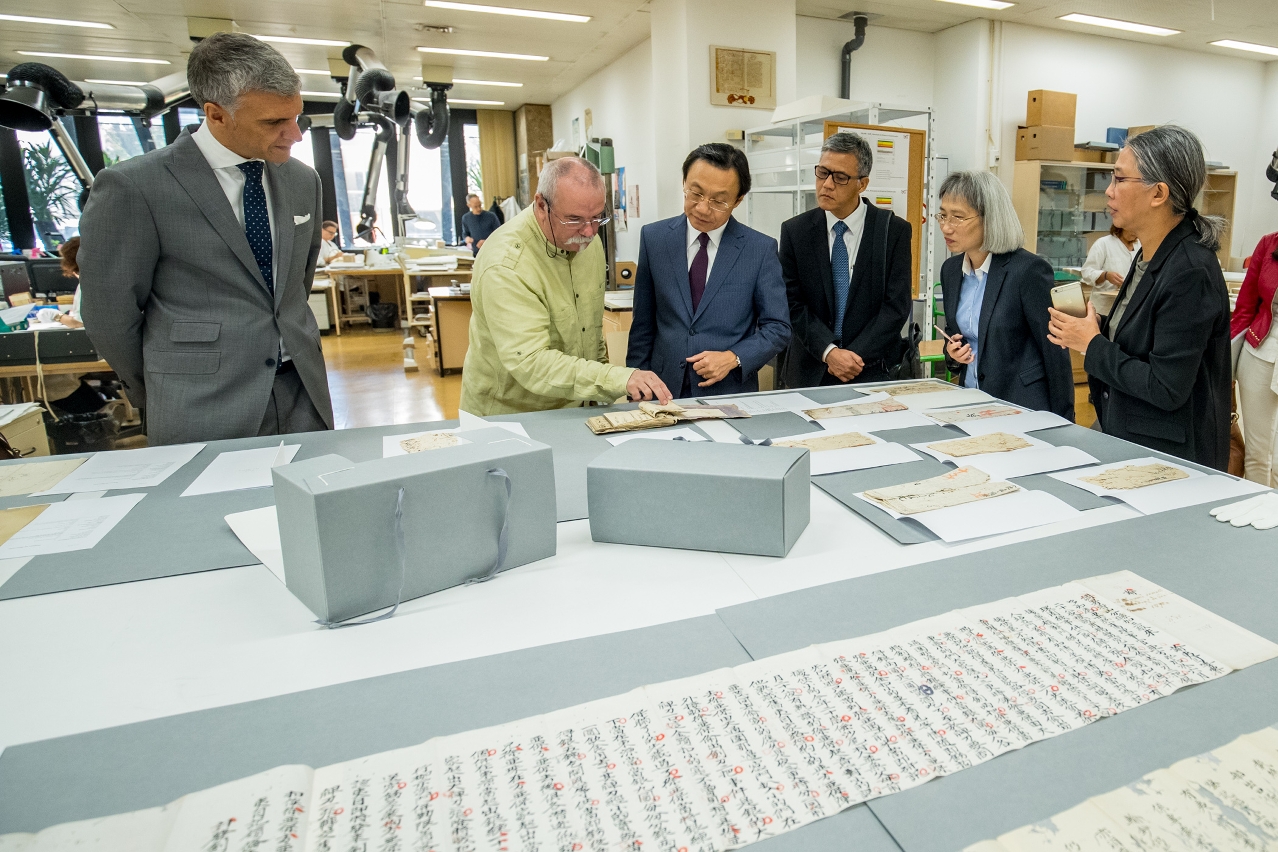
[1260,512]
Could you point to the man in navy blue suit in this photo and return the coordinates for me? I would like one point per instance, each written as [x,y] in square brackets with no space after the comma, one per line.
[710,303]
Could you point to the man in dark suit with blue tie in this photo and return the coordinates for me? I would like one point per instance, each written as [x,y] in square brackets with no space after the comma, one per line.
[710,305]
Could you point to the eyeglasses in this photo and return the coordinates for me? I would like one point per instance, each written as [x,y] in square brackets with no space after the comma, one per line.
[1117,179]
[840,178]
[944,219]
[575,222]
[696,198]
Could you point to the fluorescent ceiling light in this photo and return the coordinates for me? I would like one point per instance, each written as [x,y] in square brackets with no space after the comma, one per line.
[460,81]
[507,10]
[1246,45]
[1113,24]
[100,58]
[455,51]
[312,71]
[321,94]
[475,103]
[321,42]
[984,4]
[61,22]
[116,82]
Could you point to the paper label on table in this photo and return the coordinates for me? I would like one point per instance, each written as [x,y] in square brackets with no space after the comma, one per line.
[994,442]
[766,403]
[13,520]
[732,756]
[239,470]
[820,443]
[854,409]
[117,469]
[912,388]
[69,525]
[975,412]
[955,488]
[391,444]
[32,477]
[435,441]
[683,433]
[1132,476]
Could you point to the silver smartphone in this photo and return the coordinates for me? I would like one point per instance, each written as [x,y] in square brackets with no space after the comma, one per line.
[1068,299]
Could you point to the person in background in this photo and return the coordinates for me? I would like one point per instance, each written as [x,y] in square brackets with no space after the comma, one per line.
[1107,264]
[329,249]
[1257,377]
[478,224]
[1159,364]
[710,306]
[996,298]
[847,315]
[536,324]
[68,251]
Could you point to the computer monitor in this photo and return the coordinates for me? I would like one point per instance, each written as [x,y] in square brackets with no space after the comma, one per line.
[47,278]
[15,278]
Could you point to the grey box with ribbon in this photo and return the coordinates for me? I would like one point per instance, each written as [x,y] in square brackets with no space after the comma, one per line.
[700,495]
[359,537]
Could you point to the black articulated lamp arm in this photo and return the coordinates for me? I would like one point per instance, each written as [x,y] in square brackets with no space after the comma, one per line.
[386,130]
[858,39]
[432,123]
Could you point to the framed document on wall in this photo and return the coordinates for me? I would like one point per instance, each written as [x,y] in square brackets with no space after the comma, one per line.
[741,77]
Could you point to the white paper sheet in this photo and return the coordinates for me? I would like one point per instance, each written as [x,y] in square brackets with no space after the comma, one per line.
[1187,492]
[1022,510]
[766,403]
[1029,421]
[720,431]
[944,399]
[879,454]
[259,531]
[69,525]
[869,397]
[391,447]
[1041,457]
[241,469]
[143,468]
[667,434]
[1075,477]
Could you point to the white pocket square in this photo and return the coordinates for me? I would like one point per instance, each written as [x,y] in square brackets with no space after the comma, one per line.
[298,220]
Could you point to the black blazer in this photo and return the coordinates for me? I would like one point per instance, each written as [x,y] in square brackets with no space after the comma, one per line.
[1015,359]
[1164,381]
[878,298]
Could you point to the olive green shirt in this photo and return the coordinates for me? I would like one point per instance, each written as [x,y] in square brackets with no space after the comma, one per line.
[536,325]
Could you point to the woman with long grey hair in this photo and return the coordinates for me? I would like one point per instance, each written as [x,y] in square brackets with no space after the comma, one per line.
[996,296]
[1159,364]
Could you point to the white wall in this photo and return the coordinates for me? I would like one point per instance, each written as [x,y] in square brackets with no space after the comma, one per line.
[1262,216]
[620,99]
[892,67]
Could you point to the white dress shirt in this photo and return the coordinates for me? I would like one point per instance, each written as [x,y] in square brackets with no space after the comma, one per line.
[851,238]
[329,252]
[225,164]
[712,247]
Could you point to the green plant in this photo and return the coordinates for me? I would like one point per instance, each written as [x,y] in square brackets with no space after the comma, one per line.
[51,185]
[474,178]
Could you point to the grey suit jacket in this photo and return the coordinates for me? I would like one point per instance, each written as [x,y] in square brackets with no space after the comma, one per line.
[176,304]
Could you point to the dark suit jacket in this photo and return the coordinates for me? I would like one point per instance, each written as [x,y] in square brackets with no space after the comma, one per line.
[1016,361]
[743,307]
[878,300]
[1164,381]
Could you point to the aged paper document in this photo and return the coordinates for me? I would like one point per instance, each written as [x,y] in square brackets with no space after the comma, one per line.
[650,415]
[965,485]
[1135,476]
[30,477]
[970,413]
[855,409]
[912,388]
[13,520]
[431,441]
[994,442]
[820,443]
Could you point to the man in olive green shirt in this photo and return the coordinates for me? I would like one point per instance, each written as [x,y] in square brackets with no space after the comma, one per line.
[536,326]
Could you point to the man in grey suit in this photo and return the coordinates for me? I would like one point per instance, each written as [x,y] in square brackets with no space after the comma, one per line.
[196,261]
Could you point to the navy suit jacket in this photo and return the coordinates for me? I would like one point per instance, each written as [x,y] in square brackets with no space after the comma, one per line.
[743,308]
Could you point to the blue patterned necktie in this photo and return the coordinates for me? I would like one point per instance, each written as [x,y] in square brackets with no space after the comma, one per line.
[257,223]
[842,277]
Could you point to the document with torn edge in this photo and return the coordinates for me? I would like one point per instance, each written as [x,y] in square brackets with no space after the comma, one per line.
[854,409]
[964,485]
[650,415]
[821,443]
[1135,476]
[994,442]
[432,441]
[971,412]
[911,388]
[725,758]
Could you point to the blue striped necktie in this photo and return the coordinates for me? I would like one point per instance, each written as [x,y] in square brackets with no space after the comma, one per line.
[257,222]
[842,277]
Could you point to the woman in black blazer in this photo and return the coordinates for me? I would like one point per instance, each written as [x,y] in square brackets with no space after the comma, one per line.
[996,298]
[1159,364]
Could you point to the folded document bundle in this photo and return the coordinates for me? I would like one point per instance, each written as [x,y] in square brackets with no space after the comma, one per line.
[650,415]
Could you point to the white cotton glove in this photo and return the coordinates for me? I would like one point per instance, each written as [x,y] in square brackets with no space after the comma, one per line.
[1260,512]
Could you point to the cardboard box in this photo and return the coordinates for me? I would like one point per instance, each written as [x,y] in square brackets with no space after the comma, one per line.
[1045,143]
[26,433]
[1136,131]
[338,527]
[1055,109]
[730,498]
[1094,155]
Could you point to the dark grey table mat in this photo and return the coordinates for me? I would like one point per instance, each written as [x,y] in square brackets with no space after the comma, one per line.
[1229,571]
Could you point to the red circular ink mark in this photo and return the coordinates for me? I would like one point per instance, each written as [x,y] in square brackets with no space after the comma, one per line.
[737,770]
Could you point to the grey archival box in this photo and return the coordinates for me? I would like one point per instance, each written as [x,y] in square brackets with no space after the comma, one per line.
[338,528]
[699,495]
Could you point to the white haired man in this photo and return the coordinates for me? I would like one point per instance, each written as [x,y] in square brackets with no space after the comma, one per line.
[536,327]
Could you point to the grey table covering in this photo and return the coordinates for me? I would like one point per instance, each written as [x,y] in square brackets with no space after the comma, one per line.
[150,763]
[1229,571]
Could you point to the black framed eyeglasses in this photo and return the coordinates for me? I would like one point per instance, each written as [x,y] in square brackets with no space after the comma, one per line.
[840,178]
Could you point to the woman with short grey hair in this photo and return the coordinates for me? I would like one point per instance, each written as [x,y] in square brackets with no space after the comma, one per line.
[1159,364]
[996,298]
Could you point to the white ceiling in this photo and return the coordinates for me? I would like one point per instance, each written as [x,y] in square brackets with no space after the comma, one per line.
[158,28]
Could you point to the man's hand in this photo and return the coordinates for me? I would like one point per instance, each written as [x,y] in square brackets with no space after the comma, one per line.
[1072,332]
[958,349]
[479,244]
[1114,278]
[644,384]
[844,364]
[712,366]
[469,240]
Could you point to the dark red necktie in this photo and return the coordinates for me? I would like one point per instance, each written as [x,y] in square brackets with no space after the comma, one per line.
[697,272]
